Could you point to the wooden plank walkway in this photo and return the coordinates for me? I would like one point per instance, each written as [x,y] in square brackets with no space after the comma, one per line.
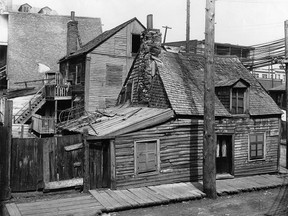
[115,200]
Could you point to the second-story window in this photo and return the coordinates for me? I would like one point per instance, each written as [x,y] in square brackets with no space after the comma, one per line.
[136,41]
[238,95]
[234,95]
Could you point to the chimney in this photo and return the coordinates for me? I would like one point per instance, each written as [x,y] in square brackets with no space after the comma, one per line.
[152,38]
[72,34]
[149,21]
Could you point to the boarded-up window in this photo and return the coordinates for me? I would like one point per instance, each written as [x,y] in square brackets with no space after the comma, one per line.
[256,146]
[114,75]
[146,156]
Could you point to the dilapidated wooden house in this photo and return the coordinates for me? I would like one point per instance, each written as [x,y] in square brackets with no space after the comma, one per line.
[97,70]
[155,133]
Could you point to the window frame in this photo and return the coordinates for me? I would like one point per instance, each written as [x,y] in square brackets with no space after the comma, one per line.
[256,158]
[134,34]
[237,101]
[157,157]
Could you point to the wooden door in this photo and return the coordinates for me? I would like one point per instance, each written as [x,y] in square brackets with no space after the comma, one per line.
[224,154]
[99,165]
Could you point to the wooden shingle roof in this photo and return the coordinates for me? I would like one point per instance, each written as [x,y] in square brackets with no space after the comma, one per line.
[183,78]
[100,39]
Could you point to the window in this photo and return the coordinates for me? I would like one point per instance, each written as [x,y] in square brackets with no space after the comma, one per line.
[146,156]
[237,101]
[256,75]
[257,146]
[114,75]
[235,96]
[136,41]
[264,76]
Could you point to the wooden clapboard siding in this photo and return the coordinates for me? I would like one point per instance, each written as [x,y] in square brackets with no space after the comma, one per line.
[114,51]
[242,130]
[180,154]
[181,147]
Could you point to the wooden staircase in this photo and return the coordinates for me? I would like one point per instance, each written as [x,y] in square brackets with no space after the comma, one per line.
[26,112]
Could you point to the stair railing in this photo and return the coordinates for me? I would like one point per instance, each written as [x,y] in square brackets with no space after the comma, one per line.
[29,104]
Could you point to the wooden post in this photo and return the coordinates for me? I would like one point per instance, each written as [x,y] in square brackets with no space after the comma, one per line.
[166,27]
[209,146]
[86,180]
[188,26]
[87,82]
[286,84]
[112,164]
[5,192]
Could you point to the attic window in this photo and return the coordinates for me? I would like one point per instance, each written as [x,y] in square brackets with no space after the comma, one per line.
[235,98]
[136,41]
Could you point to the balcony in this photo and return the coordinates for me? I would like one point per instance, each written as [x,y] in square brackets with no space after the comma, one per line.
[57,92]
[43,125]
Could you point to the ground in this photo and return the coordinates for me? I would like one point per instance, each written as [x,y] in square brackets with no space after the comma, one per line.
[264,202]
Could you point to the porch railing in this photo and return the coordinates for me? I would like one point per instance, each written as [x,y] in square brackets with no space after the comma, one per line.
[53,90]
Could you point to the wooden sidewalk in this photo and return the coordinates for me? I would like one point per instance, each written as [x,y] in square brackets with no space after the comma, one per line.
[115,200]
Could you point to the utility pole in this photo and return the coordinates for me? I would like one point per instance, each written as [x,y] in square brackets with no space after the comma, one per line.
[286,84]
[166,27]
[188,26]
[209,145]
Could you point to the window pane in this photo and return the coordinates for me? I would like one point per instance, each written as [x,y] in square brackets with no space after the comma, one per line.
[259,146]
[151,146]
[260,138]
[253,147]
[253,153]
[260,153]
[141,147]
[252,138]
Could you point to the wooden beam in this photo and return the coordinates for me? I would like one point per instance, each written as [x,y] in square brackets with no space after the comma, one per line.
[86,180]
[46,170]
[6,152]
[188,26]
[112,164]
[209,146]
[286,84]
[87,82]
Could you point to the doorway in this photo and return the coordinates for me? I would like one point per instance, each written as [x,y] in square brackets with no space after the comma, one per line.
[99,165]
[224,154]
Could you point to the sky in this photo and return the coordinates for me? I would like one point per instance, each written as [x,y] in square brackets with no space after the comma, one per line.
[242,22]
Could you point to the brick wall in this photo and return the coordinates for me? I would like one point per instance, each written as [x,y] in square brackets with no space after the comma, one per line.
[34,38]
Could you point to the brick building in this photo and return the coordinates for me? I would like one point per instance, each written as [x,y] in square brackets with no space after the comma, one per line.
[35,35]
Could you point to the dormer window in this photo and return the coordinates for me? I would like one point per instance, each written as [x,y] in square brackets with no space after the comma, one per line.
[25,8]
[234,95]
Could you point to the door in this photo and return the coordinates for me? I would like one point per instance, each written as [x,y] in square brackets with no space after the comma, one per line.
[224,154]
[99,165]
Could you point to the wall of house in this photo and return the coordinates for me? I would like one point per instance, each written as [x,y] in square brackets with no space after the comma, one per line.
[181,147]
[180,154]
[39,38]
[110,63]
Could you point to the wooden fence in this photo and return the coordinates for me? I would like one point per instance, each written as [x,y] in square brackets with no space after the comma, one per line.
[37,161]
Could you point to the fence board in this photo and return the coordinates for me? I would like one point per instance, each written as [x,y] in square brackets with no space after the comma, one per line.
[26,164]
[34,160]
